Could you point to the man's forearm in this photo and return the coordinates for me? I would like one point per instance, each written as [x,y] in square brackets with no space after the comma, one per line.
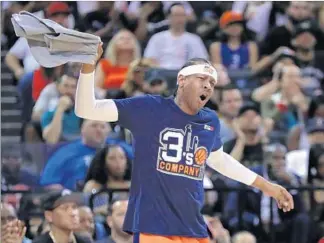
[52,132]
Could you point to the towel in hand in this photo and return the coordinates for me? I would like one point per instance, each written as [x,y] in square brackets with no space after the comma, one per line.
[53,45]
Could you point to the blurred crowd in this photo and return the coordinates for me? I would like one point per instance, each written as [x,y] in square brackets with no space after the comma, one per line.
[269,98]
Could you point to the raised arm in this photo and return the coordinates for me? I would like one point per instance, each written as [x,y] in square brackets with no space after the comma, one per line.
[86,105]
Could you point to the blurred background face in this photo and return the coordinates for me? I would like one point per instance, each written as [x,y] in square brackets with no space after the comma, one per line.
[292,73]
[300,10]
[125,41]
[320,167]
[223,78]
[116,162]
[231,103]
[277,161]
[7,213]
[319,112]
[250,122]
[305,40]
[234,30]
[61,19]
[158,87]
[95,133]
[67,86]
[87,224]
[178,17]
[65,216]
[116,220]
[316,137]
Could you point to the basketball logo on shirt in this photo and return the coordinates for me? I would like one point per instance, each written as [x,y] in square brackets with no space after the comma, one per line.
[180,155]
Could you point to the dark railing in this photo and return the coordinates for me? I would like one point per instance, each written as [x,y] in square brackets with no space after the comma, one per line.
[241,190]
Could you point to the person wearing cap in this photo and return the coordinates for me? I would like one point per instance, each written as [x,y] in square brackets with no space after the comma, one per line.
[304,40]
[115,220]
[234,51]
[59,12]
[62,213]
[298,160]
[279,38]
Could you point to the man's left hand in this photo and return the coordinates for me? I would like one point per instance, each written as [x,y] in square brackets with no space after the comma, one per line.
[282,196]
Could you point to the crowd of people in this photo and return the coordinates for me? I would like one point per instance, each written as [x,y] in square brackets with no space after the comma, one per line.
[269,98]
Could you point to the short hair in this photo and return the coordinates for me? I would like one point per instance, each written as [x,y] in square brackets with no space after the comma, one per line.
[226,88]
[172,5]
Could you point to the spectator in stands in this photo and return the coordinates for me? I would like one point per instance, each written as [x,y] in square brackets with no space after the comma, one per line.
[87,223]
[244,237]
[61,211]
[13,173]
[115,221]
[230,102]
[173,47]
[47,101]
[298,160]
[297,138]
[233,50]
[68,166]
[251,132]
[108,169]
[59,122]
[280,37]
[158,86]
[218,234]
[56,11]
[304,39]
[135,83]
[30,87]
[121,51]
[12,229]
[289,227]
[282,95]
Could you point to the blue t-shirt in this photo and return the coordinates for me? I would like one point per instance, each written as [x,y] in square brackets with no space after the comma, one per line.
[68,166]
[235,59]
[171,148]
[70,124]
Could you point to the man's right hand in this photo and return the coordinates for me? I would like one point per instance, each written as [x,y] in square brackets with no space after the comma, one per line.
[89,68]
[65,103]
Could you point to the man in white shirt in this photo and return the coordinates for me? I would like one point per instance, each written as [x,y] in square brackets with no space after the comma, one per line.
[173,47]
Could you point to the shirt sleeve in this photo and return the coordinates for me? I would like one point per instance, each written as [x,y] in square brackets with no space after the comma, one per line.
[217,140]
[151,50]
[134,112]
[46,119]
[20,48]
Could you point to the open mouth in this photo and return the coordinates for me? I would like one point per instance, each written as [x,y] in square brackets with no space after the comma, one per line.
[203,97]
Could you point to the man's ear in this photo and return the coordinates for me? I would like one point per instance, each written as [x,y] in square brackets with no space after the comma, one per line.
[181,80]
[109,221]
[49,216]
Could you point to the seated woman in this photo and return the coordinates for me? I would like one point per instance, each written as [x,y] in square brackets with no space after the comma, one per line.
[121,51]
[135,83]
[234,51]
[108,169]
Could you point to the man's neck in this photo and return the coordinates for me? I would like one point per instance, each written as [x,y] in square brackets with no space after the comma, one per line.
[92,145]
[124,58]
[177,31]
[305,57]
[61,236]
[121,238]
[183,106]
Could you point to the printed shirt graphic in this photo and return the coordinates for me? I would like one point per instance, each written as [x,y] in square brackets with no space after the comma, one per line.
[171,149]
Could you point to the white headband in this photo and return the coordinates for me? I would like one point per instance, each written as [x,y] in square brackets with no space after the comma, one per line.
[199,69]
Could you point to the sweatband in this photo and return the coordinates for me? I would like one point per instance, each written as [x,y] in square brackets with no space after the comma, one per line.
[205,69]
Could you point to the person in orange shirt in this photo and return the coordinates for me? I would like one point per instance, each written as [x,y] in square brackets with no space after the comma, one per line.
[122,49]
